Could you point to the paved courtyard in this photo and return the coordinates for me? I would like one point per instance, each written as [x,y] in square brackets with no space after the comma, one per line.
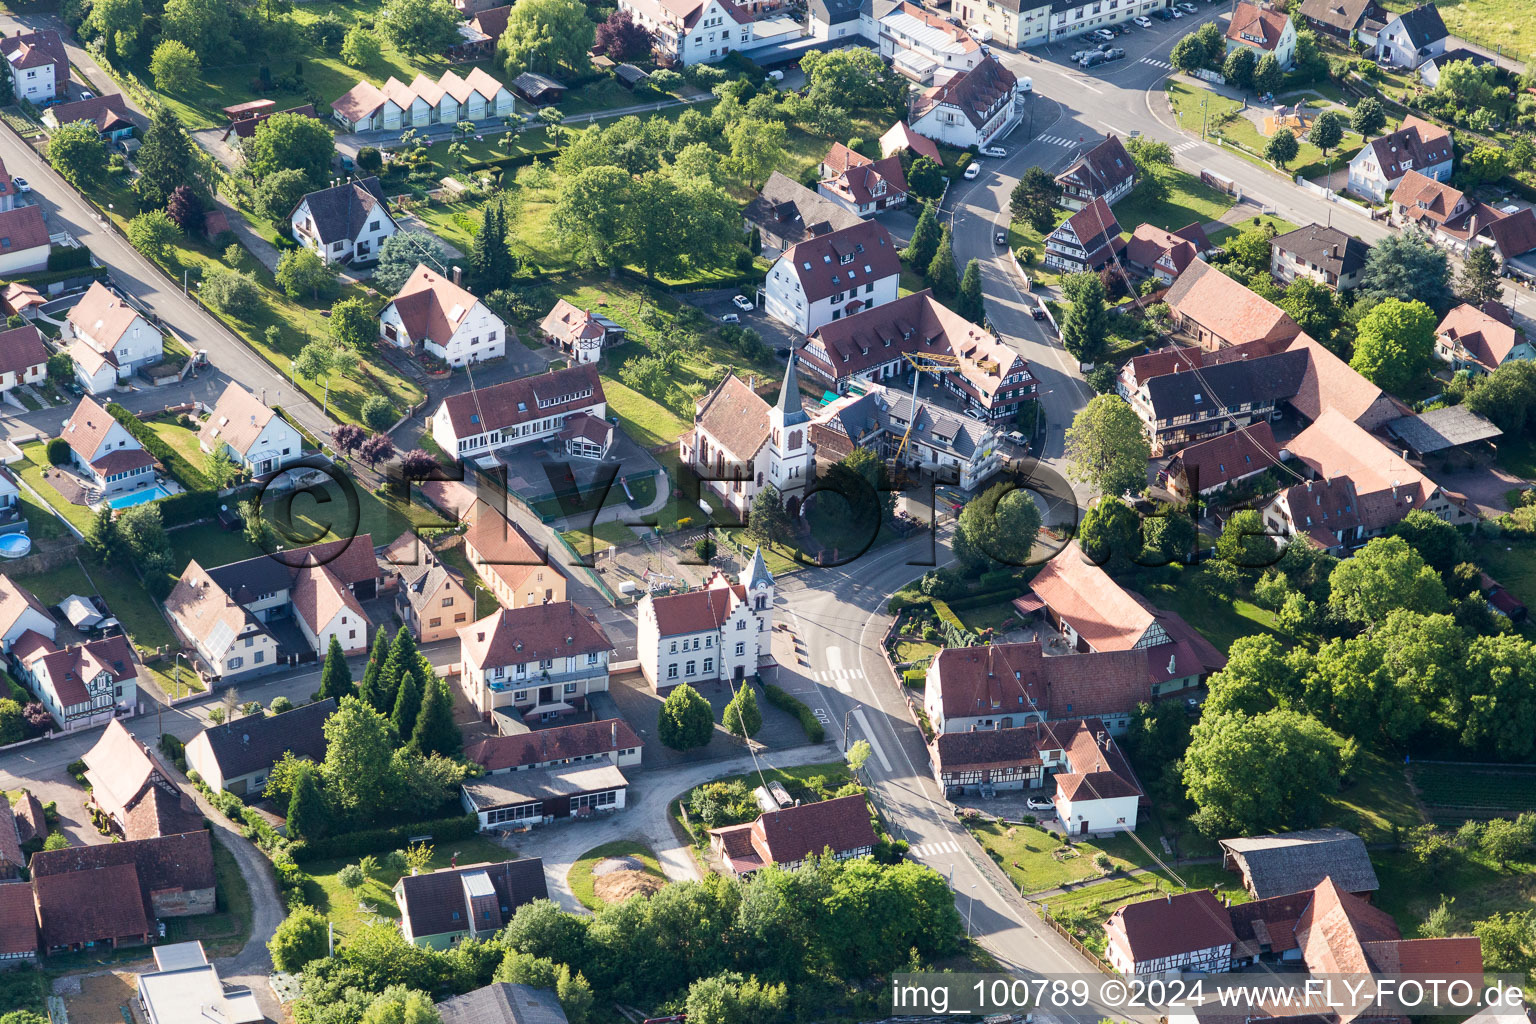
[641,708]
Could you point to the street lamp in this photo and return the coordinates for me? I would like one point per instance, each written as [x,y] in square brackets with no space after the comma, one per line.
[845,729]
[1039,395]
[969,908]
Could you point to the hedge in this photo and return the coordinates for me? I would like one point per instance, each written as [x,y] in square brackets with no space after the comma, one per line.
[68,257]
[814,730]
[997,578]
[309,439]
[983,599]
[915,677]
[383,840]
[942,609]
[43,278]
[196,506]
[190,476]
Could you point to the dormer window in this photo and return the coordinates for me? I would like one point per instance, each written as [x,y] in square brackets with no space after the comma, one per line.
[846,258]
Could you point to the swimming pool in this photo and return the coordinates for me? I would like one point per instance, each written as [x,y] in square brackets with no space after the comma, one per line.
[15,545]
[154,493]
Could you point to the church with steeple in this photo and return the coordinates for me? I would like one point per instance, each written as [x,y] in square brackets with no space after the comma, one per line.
[739,443]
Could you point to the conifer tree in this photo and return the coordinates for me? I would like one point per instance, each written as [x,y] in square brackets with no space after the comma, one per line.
[306,808]
[925,240]
[407,703]
[371,690]
[435,731]
[164,160]
[336,677]
[942,277]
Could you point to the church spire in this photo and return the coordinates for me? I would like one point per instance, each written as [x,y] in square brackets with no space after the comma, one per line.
[789,406]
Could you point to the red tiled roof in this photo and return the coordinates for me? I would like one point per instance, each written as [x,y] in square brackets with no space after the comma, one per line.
[1101,169]
[1486,338]
[238,418]
[584,739]
[1150,244]
[319,595]
[41,47]
[859,182]
[1331,383]
[431,306]
[1006,679]
[1227,457]
[1227,308]
[975,92]
[1386,486]
[1101,611]
[1095,227]
[1253,25]
[513,636]
[1170,926]
[22,228]
[68,669]
[87,427]
[900,136]
[30,820]
[18,919]
[819,262]
[118,768]
[736,417]
[696,610]
[91,905]
[790,835]
[981,749]
[517,401]
[106,113]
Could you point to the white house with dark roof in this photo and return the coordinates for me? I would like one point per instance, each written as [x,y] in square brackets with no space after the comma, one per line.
[238,755]
[1104,172]
[23,357]
[832,276]
[581,334]
[1087,240]
[349,221]
[1327,255]
[971,109]
[1416,146]
[473,424]
[253,435]
[719,631]
[433,314]
[1412,37]
[543,661]
[102,450]
[108,339]
[84,685]
[739,443]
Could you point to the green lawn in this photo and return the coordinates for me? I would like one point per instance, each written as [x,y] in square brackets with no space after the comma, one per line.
[1476,887]
[1223,118]
[1188,199]
[1518,455]
[31,471]
[1084,911]
[1220,620]
[1505,25]
[173,683]
[1037,860]
[1022,234]
[184,443]
[1377,802]
[1227,232]
[582,881]
[1469,788]
[349,910]
[119,587]
[647,421]
[915,650]
[599,537]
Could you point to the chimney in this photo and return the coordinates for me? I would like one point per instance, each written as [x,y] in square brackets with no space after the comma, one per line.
[613,733]
[458,276]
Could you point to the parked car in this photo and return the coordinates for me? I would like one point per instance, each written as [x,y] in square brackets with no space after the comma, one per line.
[1077,58]
[1093,60]
[1176,13]
[86,94]
[1163,15]
[1114,53]
[1038,312]
[21,185]
[1143,21]
[1039,803]
[973,171]
[994,151]
[1001,238]
[1188,8]
[1104,34]
[730,318]
[743,303]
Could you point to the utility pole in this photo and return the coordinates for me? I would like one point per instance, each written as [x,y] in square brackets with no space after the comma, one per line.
[845,729]
[1205,103]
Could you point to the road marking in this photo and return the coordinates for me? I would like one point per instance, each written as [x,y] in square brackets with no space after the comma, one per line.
[935,849]
[1112,128]
[1181,147]
[1083,84]
[869,734]
[1156,63]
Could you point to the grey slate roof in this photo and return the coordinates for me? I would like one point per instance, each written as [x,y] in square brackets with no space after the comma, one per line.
[1259,382]
[431,901]
[1297,861]
[251,744]
[1440,429]
[503,1003]
[834,12]
[1339,253]
[1424,25]
[936,427]
[789,210]
[339,212]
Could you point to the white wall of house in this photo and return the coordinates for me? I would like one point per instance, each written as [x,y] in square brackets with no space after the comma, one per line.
[1284,51]
[1367,179]
[30,618]
[98,383]
[20,261]
[949,124]
[481,336]
[1111,814]
[519,433]
[1394,47]
[106,699]
[517,685]
[707,655]
[31,375]
[1094,14]
[785,300]
[714,35]
[253,653]
[364,246]
[1213,958]
[35,84]
[349,628]
[141,344]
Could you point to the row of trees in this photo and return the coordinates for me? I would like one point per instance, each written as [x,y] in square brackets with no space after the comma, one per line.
[776,946]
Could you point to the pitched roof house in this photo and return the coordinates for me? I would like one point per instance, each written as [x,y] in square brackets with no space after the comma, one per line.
[12,862]
[31,820]
[1454,221]
[236,756]
[1087,240]
[861,185]
[1412,37]
[1094,613]
[719,630]
[1228,458]
[24,241]
[132,787]
[435,315]
[1331,383]
[18,924]
[833,275]
[1217,310]
[516,568]
[474,97]
[541,660]
[39,64]
[431,598]
[1178,408]
[473,423]
[83,685]
[900,136]
[1293,862]
[1166,254]
[103,450]
[1264,31]
[250,432]
[1325,254]
[503,1003]
[439,907]
[789,836]
[348,221]
[1417,145]
[971,109]
[610,739]
[1105,172]
[1480,339]
[785,212]
[109,339]
[1190,931]
[1341,18]
[108,114]
[1361,488]
[580,333]
[21,612]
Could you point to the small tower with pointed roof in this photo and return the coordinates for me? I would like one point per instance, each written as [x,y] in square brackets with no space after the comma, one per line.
[791,456]
[758,582]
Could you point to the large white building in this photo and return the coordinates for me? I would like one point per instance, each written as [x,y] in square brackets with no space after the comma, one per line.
[473,424]
[108,339]
[739,444]
[971,109]
[541,661]
[346,221]
[699,31]
[252,434]
[438,316]
[831,276]
[719,631]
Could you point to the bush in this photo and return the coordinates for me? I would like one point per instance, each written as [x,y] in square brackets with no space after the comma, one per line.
[814,730]
[231,291]
[58,451]
[378,414]
[281,704]
[370,159]
[382,840]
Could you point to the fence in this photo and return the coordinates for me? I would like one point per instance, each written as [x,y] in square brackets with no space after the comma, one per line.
[1093,958]
[577,562]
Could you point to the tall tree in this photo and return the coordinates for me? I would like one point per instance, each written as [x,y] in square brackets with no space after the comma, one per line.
[1267,76]
[353,327]
[299,270]
[77,153]
[687,720]
[1106,447]
[998,526]
[204,25]
[490,261]
[335,676]
[435,731]
[372,690]
[408,697]
[1238,68]
[925,240]
[306,808]
[1315,308]
[1368,117]
[546,35]
[301,938]
[767,522]
[1282,146]
[174,66]
[1188,55]
[1327,131]
[591,215]
[742,717]
[1250,774]
[1479,280]
[971,305]
[294,141]
[118,22]
[1085,324]
[757,147]
[1406,266]
[399,256]
[620,39]
[358,771]
[1034,199]
[1394,344]
[942,277]
[420,27]
[1381,577]
[1110,533]
[277,194]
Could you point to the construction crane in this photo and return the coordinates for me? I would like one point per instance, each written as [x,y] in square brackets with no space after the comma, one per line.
[922,362]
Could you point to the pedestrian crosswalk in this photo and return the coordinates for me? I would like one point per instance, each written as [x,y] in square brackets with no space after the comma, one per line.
[840,678]
[1181,147]
[935,849]
[1157,63]
[1055,140]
